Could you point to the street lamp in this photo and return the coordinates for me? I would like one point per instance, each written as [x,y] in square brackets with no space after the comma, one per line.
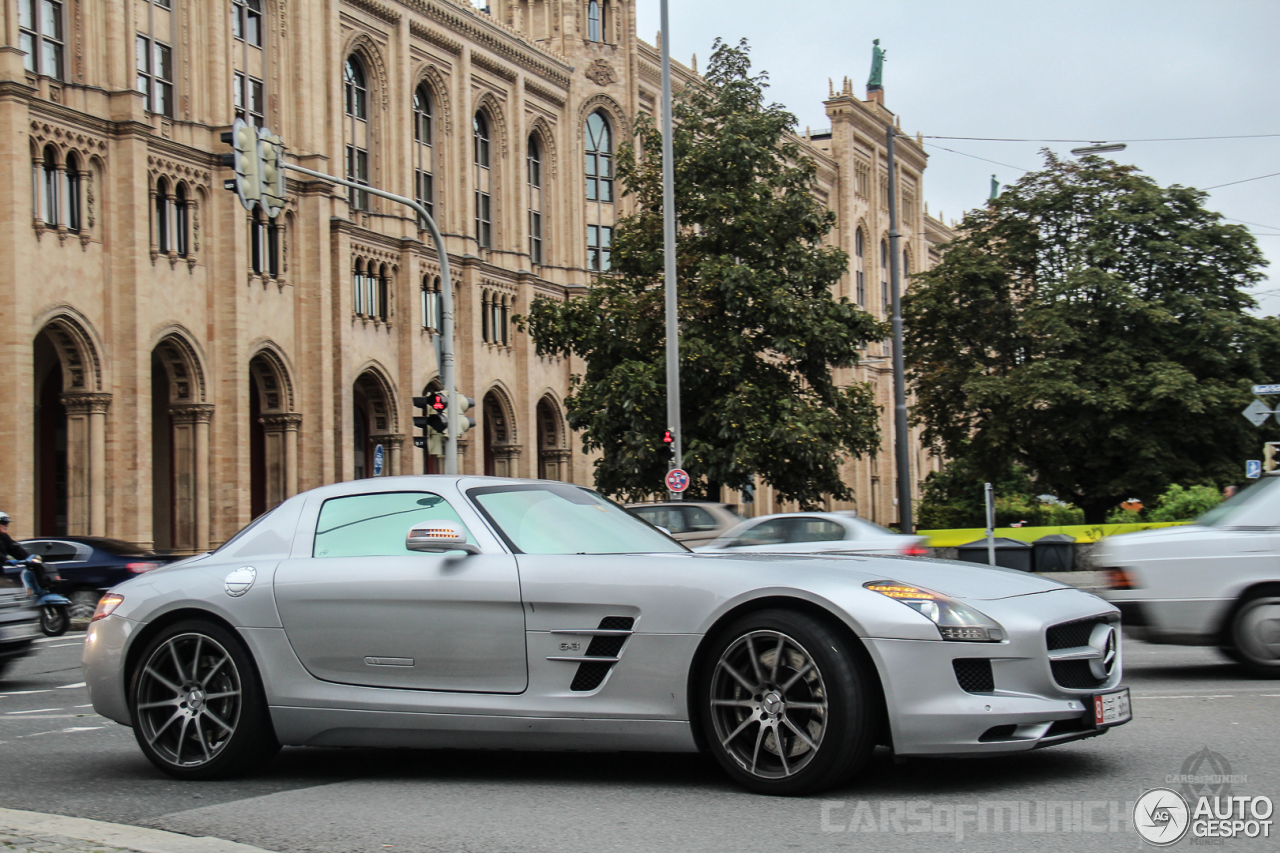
[1099,148]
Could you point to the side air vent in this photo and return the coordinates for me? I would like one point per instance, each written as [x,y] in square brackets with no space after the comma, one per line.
[602,652]
[974,675]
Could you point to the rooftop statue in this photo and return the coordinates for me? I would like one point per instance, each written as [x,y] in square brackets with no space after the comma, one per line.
[876,81]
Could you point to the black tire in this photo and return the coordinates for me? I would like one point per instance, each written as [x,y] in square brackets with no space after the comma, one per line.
[197,704]
[786,706]
[1255,632]
[54,620]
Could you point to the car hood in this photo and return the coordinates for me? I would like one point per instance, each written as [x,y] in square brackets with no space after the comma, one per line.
[950,577]
[1140,540]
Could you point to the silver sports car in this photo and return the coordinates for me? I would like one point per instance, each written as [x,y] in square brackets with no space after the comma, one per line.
[445,611]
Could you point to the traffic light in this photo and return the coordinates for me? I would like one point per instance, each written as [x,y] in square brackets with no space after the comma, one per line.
[271,171]
[669,444]
[433,415]
[245,159]
[461,404]
[1269,451]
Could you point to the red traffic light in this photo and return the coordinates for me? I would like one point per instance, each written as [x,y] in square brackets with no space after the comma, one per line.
[668,438]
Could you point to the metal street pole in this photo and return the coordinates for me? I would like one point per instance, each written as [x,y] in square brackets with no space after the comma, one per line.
[446,308]
[902,436]
[669,253]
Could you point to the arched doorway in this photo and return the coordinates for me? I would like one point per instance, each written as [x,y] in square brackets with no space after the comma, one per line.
[553,452]
[373,425]
[69,441]
[179,448]
[273,433]
[501,452]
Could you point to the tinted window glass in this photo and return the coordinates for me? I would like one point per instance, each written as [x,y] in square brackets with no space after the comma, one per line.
[376,525]
[771,532]
[53,552]
[698,518]
[816,530]
[548,519]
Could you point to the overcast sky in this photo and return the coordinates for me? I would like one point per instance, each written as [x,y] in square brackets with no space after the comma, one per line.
[1030,69]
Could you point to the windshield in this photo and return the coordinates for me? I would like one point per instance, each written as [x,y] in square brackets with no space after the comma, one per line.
[545,518]
[1241,504]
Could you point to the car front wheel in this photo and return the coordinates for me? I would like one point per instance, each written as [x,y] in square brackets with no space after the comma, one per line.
[1255,632]
[786,704]
[197,707]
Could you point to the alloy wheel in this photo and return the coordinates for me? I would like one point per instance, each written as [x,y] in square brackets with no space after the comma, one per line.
[1257,631]
[189,699]
[768,704]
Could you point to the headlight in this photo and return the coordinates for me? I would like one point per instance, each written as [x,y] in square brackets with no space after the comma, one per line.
[955,621]
[107,605]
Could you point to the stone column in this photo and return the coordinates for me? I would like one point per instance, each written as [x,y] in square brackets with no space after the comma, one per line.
[281,457]
[555,465]
[191,475]
[505,459]
[393,443]
[86,462]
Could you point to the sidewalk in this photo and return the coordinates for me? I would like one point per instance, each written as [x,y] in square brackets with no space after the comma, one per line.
[33,832]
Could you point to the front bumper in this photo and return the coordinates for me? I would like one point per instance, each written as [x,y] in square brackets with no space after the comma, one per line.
[1024,706]
[103,661]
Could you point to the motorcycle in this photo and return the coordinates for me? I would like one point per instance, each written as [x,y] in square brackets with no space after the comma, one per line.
[42,582]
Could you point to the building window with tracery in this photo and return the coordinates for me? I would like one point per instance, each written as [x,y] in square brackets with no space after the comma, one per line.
[74,215]
[155,75]
[860,267]
[246,21]
[181,218]
[247,99]
[423,150]
[432,304]
[535,200]
[356,105]
[52,186]
[595,21]
[599,243]
[484,182]
[599,158]
[40,36]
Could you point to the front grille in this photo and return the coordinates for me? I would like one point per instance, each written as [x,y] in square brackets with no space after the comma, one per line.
[1076,674]
[974,675]
[1068,635]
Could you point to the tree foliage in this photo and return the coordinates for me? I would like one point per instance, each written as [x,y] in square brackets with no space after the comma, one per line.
[760,331]
[1093,327]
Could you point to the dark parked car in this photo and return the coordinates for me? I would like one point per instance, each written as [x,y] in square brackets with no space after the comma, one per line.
[19,621]
[91,565]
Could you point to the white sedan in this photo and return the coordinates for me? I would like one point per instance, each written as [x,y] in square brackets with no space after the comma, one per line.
[1214,582]
[815,533]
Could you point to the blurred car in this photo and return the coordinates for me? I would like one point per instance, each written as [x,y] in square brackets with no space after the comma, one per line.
[91,565]
[691,523]
[816,532]
[19,620]
[483,612]
[1214,582]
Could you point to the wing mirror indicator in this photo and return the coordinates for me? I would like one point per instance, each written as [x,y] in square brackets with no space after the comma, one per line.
[955,621]
[437,537]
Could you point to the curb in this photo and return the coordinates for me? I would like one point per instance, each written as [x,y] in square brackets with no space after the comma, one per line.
[117,834]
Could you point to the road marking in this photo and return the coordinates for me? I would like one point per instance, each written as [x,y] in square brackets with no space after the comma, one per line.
[71,730]
[55,640]
[1191,696]
[90,705]
[64,646]
[23,693]
[69,686]
[34,711]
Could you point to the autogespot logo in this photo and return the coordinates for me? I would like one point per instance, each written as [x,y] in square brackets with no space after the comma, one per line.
[1161,816]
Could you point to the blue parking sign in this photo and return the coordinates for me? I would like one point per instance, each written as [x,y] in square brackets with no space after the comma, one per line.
[1253,469]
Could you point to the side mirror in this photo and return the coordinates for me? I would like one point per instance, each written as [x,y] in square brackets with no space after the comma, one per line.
[663,529]
[437,537]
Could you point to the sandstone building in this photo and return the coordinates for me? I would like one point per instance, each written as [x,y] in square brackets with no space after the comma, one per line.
[176,365]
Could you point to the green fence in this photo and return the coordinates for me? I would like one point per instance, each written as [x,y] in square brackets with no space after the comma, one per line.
[1081,532]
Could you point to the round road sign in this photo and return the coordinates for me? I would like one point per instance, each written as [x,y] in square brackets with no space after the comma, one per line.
[677,480]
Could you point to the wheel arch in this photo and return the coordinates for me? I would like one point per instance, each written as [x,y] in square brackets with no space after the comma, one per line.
[138,642]
[798,605]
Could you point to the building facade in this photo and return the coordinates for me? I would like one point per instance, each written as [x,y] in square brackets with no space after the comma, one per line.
[178,365]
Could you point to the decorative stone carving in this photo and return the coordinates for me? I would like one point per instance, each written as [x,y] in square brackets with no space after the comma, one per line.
[80,403]
[601,73]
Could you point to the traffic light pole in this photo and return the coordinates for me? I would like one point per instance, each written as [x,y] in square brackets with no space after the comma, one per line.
[446,298]
[669,254]
[902,435]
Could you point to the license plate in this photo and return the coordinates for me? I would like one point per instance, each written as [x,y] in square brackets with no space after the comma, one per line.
[1112,709]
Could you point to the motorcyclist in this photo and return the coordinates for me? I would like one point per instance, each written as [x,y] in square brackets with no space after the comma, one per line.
[11,549]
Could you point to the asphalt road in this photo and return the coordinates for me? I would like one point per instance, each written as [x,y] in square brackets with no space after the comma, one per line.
[57,756]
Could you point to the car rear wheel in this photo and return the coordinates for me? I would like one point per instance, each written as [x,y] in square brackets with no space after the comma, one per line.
[786,704]
[1255,632]
[197,707]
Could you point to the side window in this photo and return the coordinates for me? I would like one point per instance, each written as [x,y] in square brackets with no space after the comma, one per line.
[662,516]
[816,530]
[376,525]
[54,552]
[697,518]
[770,532]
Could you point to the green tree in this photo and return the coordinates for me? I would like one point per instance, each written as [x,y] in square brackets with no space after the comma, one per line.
[1091,326]
[760,331]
